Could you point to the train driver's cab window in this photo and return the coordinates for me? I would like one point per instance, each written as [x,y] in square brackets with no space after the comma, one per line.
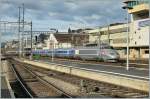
[91,45]
[107,47]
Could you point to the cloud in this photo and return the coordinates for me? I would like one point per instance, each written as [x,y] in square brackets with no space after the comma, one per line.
[89,11]
[65,12]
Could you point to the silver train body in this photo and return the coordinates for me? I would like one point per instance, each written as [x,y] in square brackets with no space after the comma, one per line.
[93,52]
[88,52]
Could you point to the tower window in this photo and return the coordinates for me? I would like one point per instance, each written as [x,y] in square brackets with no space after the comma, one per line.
[139,37]
[146,51]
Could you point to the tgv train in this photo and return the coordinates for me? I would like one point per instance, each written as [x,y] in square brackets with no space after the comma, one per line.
[95,52]
[87,52]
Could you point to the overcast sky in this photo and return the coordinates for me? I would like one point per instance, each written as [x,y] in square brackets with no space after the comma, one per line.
[62,14]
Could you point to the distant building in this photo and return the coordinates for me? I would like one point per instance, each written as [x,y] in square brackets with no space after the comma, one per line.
[116,34]
[140,23]
[27,42]
[64,40]
[11,44]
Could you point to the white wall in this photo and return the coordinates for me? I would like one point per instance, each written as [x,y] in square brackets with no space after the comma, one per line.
[141,37]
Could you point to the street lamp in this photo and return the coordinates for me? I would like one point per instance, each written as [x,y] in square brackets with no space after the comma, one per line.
[52,51]
[31,34]
[127,62]
[52,43]
[99,41]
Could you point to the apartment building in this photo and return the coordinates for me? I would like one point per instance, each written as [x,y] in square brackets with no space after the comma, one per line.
[116,34]
[140,27]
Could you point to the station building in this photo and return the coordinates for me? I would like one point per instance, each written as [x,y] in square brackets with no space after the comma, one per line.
[63,40]
[116,34]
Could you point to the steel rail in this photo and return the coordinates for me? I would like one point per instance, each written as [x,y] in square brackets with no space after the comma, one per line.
[47,83]
[20,81]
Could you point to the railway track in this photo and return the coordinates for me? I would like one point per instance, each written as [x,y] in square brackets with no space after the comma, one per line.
[90,88]
[34,85]
[21,82]
[94,88]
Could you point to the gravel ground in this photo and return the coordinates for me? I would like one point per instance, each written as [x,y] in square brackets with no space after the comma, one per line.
[94,87]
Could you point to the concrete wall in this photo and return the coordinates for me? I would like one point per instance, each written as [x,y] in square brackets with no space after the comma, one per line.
[139,36]
[140,7]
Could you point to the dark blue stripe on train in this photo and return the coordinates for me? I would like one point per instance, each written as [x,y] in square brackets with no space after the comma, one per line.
[64,52]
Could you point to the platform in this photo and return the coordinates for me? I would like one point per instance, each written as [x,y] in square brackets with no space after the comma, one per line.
[125,80]
[6,91]
[133,72]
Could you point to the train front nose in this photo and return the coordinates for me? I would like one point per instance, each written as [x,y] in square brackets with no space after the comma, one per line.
[114,56]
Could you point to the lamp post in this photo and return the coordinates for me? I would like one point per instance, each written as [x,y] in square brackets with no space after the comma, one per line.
[53,44]
[99,41]
[127,62]
[31,34]
[52,51]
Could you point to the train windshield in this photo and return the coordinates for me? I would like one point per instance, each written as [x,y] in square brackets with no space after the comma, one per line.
[107,47]
[91,45]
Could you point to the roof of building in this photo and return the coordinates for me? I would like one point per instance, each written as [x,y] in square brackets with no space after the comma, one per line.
[70,38]
[113,24]
[127,1]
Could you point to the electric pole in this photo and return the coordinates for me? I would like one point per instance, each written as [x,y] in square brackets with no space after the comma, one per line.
[31,41]
[99,42]
[19,34]
[23,30]
[127,61]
